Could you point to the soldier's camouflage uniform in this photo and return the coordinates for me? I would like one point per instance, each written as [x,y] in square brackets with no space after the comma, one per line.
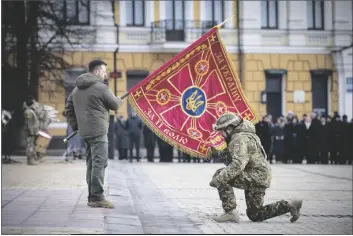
[247,169]
[42,114]
[31,128]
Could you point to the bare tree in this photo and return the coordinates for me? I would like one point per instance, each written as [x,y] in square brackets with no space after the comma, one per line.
[35,37]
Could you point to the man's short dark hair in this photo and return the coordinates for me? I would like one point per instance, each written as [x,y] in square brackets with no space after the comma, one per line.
[93,64]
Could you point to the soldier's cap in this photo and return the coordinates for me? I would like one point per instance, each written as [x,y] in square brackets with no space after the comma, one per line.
[95,63]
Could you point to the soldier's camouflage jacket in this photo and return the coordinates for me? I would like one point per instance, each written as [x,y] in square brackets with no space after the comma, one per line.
[42,114]
[245,158]
[31,127]
[36,117]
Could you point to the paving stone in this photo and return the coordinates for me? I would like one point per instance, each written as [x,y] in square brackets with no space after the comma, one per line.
[123,229]
[171,198]
[122,221]
[86,223]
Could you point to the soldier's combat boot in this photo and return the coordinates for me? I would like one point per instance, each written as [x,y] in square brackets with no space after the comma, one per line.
[103,204]
[42,159]
[295,209]
[32,162]
[231,216]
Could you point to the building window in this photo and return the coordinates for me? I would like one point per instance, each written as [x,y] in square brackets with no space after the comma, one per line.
[76,12]
[315,15]
[269,14]
[135,13]
[175,14]
[214,11]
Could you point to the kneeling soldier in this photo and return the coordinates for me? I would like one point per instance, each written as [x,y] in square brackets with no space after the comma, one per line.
[246,169]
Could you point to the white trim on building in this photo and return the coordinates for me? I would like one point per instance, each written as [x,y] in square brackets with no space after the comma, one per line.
[179,46]
[343,64]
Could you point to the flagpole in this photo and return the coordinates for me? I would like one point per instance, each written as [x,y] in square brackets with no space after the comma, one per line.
[226,20]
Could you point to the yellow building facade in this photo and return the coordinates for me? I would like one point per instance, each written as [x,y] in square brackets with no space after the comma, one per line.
[263,51]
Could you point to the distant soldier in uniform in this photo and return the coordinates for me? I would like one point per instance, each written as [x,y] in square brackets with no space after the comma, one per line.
[31,128]
[246,169]
[43,120]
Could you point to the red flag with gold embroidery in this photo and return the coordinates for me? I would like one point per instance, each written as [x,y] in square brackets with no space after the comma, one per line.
[182,99]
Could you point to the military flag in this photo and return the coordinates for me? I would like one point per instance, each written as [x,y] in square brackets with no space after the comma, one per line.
[182,99]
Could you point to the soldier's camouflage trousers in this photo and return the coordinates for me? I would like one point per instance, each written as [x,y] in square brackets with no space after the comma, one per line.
[254,198]
[30,149]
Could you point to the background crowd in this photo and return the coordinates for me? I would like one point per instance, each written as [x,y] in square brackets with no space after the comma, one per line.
[312,139]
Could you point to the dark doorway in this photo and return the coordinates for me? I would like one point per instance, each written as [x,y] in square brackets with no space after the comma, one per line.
[133,78]
[319,88]
[274,94]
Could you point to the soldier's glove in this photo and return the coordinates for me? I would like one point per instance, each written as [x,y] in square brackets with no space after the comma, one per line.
[214,183]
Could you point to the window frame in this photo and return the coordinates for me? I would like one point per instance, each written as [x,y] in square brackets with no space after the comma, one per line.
[173,15]
[77,12]
[134,17]
[322,9]
[214,13]
[268,15]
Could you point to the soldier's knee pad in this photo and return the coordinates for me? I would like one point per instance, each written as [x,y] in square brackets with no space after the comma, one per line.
[253,215]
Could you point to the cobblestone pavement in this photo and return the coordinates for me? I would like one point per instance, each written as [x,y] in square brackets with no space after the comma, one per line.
[50,198]
[166,198]
[326,192]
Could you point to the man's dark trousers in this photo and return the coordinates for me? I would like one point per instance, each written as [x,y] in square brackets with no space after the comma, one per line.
[135,141]
[96,161]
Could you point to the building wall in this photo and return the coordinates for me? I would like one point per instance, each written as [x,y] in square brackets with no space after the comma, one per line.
[292,47]
[297,78]
[125,61]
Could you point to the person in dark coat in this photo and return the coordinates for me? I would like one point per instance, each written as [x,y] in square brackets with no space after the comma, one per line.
[278,140]
[263,130]
[289,140]
[149,139]
[305,140]
[134,127]
[296,148]
[335,138]
[315,129]
[346,133]
[324,140]
[122,137]
[180,156]
[186,158]
[165,151]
